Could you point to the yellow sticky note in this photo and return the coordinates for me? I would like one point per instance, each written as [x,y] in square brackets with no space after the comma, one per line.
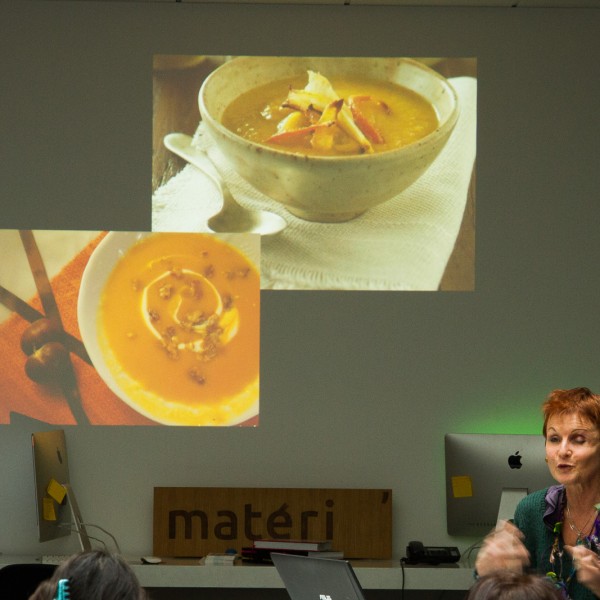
[48,509]
[56,491]
[462,486]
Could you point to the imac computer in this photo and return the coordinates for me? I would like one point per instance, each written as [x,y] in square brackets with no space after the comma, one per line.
[57,510]
[487,475]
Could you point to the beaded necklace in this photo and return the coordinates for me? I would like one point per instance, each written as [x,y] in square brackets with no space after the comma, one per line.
[591,541]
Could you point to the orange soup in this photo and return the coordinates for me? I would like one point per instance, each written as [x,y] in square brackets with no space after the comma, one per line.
[180,328]
[333,117]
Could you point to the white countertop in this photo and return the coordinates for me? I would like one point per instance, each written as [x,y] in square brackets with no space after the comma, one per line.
[190,573]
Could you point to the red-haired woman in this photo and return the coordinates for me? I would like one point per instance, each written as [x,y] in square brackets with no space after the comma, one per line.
[556,531]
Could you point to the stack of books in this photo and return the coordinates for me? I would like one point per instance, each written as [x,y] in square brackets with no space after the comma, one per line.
[261,549]
[226,559]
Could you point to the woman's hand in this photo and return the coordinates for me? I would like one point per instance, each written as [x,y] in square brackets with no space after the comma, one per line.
[502,550]
[587,565]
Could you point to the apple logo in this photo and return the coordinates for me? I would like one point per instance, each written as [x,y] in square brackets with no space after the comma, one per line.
[514,460]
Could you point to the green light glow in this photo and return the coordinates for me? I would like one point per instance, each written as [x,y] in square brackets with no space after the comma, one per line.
[518,415]
[527,424]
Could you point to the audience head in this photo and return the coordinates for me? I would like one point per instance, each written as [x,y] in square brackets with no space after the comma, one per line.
[508,585]
[96,575]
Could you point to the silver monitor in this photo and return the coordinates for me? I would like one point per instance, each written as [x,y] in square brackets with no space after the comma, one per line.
[487,475]
[57,509]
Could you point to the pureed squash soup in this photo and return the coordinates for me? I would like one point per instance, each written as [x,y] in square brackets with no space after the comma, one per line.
[331,117]
[180,327]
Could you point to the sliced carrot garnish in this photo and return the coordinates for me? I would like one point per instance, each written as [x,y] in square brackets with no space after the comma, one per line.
[294,135]
[319,102]
[363,123]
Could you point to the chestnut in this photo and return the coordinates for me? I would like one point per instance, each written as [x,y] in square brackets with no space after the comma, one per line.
[48,363]
[38,333]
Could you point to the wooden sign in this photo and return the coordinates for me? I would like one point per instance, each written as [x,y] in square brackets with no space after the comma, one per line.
[191,521]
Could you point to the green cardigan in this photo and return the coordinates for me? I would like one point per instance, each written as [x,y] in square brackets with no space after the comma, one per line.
[539,539]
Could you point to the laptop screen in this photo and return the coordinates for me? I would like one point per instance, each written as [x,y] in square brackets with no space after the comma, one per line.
[313,578]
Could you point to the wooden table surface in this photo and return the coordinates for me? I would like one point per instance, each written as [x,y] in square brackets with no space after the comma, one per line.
[175,109]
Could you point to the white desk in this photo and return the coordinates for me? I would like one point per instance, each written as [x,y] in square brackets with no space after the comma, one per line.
[373,575]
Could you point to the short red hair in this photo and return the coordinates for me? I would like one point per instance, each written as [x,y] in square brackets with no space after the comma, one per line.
[581,401]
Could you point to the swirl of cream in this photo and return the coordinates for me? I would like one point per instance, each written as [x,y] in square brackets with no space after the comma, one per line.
[185,311]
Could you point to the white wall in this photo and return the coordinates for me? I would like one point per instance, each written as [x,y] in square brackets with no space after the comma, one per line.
[357,389]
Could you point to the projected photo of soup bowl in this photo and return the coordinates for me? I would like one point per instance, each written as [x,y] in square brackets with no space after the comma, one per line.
[329,138]
[171,322]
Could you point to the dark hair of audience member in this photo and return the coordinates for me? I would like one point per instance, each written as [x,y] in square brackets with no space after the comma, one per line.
[507,585]
[96,575]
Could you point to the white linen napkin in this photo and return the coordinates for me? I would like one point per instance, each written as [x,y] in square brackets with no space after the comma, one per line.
[403,244]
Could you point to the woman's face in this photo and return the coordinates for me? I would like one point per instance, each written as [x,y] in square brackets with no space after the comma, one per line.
[573,449]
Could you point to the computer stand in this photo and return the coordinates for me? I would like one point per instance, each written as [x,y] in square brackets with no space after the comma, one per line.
[84,539]
[508,502]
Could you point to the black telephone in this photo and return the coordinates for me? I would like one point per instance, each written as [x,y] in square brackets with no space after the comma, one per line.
[432,555]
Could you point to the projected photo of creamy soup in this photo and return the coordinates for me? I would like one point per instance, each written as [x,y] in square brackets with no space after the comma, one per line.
[359,172]
[178,325]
